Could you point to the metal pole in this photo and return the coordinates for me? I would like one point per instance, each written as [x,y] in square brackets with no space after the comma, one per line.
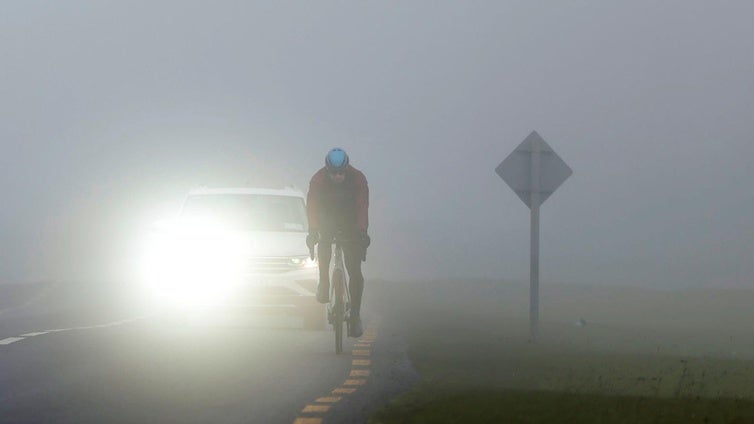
[534,257]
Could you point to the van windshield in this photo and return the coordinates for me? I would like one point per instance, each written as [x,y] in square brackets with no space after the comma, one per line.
[254,212]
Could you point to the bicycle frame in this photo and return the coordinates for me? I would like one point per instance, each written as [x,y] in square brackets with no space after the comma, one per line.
[339,307]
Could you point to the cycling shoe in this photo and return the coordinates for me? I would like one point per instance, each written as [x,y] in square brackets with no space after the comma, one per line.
[323,293]
[354,327]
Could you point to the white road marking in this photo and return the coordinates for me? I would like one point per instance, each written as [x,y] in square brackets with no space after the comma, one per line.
[10,340]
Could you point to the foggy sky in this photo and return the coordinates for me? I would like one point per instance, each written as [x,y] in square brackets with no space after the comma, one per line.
[111,111]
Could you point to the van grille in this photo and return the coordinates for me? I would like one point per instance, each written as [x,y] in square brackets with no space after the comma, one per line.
[271,265]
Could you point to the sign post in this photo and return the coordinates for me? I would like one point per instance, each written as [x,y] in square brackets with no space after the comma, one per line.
[534,171]
[534,243]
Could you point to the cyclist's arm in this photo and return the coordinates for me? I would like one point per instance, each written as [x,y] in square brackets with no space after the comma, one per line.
[362,203]
[313,201]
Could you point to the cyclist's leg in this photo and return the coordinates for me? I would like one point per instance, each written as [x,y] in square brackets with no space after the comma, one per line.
[324,255]
[353,253]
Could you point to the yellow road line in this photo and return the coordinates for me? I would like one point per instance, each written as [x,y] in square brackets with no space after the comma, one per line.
[316,408]
[324,404]
[308,421]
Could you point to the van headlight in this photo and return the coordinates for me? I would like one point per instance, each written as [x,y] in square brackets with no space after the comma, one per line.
[192,269]
[304,262]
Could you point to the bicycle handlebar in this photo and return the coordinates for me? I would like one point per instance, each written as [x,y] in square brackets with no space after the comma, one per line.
[337,240]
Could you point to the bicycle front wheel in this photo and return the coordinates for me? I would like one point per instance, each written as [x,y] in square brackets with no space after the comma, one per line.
[339,308]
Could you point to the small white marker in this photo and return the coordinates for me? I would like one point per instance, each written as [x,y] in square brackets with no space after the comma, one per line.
[10,340]
[39,333]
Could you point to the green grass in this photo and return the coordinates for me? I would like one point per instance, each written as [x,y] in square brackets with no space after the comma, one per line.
[429,405]
[478,365]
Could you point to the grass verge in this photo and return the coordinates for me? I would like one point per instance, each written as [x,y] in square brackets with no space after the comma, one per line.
[479,367]
[432,405]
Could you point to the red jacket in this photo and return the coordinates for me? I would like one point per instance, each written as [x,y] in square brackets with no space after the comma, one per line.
[344,206]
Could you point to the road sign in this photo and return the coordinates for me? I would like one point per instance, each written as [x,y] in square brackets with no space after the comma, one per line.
[534,171]
[515,170]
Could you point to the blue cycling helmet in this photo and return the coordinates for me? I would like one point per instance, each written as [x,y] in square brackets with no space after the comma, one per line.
[336,160]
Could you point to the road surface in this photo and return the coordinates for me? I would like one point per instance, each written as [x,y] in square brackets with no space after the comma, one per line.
[69,357]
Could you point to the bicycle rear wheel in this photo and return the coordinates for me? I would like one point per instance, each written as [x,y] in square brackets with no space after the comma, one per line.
[339,309]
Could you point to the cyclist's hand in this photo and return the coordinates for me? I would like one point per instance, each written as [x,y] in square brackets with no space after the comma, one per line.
[311,240]
[364,241]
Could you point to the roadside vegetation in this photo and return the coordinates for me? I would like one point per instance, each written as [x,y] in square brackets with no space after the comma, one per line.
[643,356]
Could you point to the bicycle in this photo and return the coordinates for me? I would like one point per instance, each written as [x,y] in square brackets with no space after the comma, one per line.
[339,306]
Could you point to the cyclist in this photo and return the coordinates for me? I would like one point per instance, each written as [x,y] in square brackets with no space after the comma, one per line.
[338,203]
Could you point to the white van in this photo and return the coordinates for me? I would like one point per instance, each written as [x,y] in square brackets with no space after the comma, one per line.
[238,249]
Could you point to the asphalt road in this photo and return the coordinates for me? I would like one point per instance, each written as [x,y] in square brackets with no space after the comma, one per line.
[69,354]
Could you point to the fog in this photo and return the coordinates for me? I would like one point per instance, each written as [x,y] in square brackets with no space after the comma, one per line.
[111,111]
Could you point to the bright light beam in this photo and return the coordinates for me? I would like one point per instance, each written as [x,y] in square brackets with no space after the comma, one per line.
[192,264]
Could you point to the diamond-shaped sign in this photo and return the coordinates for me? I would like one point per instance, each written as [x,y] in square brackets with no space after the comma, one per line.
[515,170]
